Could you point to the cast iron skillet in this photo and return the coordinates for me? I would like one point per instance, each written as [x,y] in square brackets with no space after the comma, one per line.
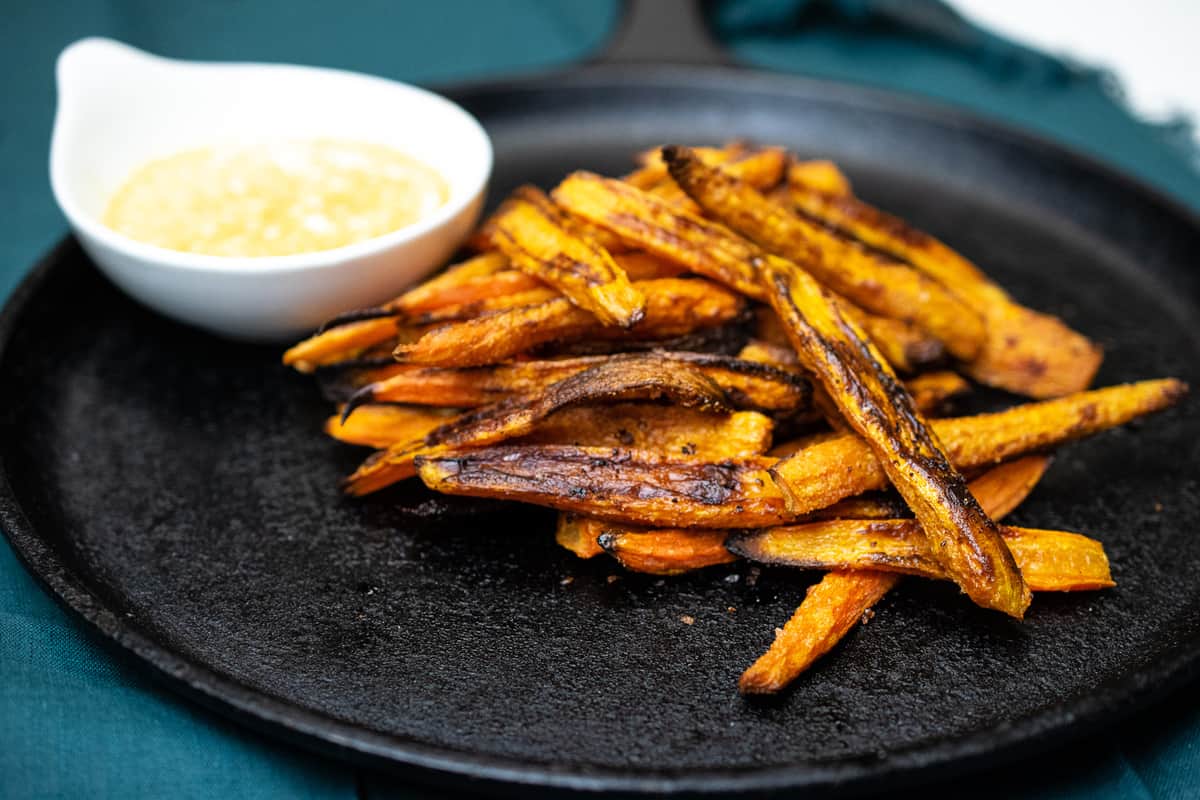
[174,491]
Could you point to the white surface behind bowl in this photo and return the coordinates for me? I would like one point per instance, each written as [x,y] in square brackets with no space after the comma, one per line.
[119,108]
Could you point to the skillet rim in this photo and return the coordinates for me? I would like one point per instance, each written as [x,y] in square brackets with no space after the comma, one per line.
[445,766]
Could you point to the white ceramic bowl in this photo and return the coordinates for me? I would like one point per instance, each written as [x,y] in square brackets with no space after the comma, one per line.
[119,108]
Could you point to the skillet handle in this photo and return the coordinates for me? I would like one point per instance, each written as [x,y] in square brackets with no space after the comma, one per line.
[664,32]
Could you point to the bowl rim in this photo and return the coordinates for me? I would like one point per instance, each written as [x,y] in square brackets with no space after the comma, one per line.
[90,227]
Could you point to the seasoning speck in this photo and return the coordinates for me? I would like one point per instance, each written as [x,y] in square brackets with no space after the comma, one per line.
[687,619]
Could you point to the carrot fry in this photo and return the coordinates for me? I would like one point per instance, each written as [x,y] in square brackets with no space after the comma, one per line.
[819,176]
[645,221]
[340,343]
[665,551]
[706,248]
[1025,351]
[652,170]
[484,239]
[641,488]
[444,289]
[346,341]
[877,283]
[661,429]
[963,539]
[383,425]
[1049,560]
[844,465]
[855,376]
[534,235]
[842,597]
[999,491]
[830,609]
[634,487]
[763,169]
[674,306]
[486,305]
[647,377]
[748,384]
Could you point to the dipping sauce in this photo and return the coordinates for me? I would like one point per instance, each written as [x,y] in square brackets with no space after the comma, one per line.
[274,198]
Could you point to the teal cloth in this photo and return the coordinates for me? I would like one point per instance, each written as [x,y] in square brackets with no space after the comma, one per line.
[75,721]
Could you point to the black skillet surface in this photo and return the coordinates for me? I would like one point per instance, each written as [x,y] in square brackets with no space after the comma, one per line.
[175,491]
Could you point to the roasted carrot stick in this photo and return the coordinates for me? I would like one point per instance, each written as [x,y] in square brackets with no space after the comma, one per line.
[1050,561]
[748,384]
[535,236]
[383,425]
[665,551]
[841,598]
[830,609]
[844,465]
[1024,351]
[674,307]
[647,377]
[709,249]
[877,283]
[640,488]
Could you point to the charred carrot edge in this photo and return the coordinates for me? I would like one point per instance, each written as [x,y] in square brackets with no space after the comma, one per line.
[652,170]
[748,384]
[763,169]
[833,606]
[646,377]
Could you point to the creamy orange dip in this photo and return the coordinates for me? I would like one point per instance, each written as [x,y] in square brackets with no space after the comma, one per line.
[274,198]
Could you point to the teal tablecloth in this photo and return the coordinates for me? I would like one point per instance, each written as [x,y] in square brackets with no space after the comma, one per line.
[77,722]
